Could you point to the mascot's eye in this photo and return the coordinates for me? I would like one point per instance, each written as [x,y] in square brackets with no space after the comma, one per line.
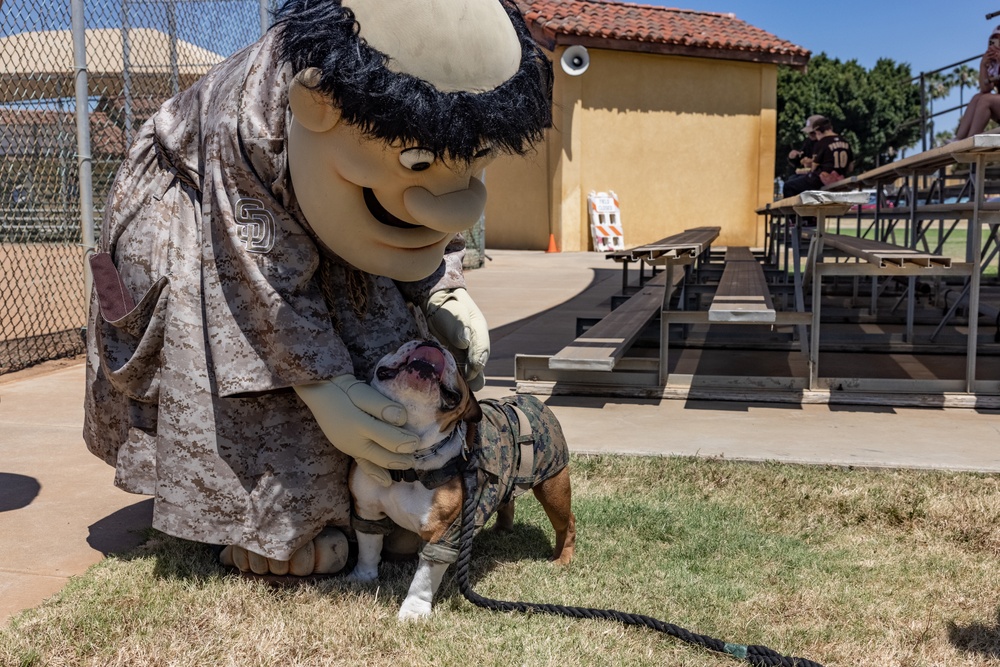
[416,159]
[483,153]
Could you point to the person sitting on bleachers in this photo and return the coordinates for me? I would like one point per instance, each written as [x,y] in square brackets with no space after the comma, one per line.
[832,160]
[801,158]
[984,105]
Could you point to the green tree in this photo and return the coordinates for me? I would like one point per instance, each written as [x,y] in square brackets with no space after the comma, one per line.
[873,109]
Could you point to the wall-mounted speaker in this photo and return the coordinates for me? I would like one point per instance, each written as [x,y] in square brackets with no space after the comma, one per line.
[575,60]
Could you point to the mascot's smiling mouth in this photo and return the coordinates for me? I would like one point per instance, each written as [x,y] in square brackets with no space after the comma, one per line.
[379,213]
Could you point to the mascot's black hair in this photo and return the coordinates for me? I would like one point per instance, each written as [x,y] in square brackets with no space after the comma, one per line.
[397,107]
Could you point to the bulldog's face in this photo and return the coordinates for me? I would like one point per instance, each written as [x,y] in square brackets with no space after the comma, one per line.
[424,378]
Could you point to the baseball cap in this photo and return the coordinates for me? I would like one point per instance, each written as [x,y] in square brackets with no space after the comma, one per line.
[811,122]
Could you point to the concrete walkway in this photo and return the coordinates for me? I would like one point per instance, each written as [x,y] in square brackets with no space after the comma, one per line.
[60,512]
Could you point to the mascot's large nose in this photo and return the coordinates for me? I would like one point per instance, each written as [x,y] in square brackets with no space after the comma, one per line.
[451,212]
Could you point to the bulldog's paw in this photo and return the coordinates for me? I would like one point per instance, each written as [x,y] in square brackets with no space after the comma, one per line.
[363,575]
[414,610]
[325,554]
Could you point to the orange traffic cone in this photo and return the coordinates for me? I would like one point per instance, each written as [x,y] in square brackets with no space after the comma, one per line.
[552,244]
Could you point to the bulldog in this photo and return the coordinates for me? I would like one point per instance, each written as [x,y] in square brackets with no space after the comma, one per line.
[515,444]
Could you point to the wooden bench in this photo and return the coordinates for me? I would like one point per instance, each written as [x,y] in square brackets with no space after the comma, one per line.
[743,294]
[603,345]
[742,297]
[644,375]
[878,259]
[978,150]
[689,243]
[879,253]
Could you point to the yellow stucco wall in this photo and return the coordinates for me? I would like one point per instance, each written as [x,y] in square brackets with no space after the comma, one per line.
[517,201]
[683,141]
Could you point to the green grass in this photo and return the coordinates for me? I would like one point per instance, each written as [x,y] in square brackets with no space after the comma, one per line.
[845,567]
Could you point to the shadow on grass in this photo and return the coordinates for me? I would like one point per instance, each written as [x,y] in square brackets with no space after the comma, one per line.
[976,637]
[491,549]
[175,558]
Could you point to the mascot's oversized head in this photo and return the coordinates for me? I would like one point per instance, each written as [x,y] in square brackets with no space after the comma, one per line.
[397,107]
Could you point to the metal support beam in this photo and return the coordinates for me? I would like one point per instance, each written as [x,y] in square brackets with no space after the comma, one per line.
[84,159]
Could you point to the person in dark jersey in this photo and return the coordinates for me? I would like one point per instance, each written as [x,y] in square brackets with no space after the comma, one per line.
[801,157]
[832,160]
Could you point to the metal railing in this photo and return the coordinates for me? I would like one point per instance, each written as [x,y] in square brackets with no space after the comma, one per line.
[927,115]
[927,112]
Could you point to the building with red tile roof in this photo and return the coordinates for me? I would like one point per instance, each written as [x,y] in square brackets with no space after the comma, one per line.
[31,132]
[675,111]
[625,26]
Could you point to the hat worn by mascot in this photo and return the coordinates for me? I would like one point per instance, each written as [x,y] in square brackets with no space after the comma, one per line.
[274,231]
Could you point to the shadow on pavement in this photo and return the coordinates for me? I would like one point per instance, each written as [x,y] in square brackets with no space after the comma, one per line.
[17,491]
[122,530]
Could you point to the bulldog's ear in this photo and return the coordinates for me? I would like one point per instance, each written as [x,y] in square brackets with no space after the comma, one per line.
[311,108]
[473,413]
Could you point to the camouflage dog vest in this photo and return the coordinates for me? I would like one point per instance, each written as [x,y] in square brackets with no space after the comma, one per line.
[518,445]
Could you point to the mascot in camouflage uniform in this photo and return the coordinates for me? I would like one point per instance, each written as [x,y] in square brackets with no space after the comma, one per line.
[273,232]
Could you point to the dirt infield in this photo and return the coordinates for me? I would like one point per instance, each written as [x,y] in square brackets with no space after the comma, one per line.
[42,305]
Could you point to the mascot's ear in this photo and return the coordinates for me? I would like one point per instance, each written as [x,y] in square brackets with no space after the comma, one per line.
[310,108]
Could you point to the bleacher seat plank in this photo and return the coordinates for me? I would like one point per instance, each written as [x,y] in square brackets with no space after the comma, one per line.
[691,242]
[878,253]
[743,294]
[601,346]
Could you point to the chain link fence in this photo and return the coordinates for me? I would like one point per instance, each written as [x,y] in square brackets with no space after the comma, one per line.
[139,53]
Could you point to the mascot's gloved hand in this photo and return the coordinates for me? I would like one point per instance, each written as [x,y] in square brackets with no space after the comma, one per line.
[362,423]
[455,319]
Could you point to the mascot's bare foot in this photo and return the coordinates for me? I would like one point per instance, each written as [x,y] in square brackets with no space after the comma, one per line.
[325,554]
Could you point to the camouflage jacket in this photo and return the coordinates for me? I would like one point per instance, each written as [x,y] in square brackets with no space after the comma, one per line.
[498,458]
[189,393]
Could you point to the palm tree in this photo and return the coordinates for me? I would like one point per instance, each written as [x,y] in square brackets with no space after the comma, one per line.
[964,77]
[941,138]
[937,86]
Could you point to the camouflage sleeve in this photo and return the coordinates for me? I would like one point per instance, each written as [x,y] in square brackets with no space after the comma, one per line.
[448,276]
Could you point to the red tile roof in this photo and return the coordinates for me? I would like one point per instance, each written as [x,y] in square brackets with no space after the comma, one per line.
[627,26]
[37,132]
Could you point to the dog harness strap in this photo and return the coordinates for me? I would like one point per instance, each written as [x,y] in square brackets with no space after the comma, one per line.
[439,552]
[382,526]
[432,479]
[404,475]
[526,441]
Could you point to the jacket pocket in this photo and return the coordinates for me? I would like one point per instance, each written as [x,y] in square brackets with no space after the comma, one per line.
[130,346]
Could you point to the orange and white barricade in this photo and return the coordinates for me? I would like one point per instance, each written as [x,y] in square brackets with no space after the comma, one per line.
[605,221]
